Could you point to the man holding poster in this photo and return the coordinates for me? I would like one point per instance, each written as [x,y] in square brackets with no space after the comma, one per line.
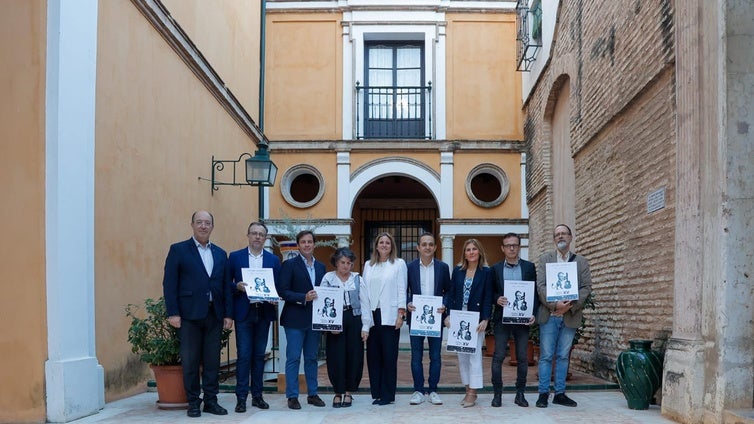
[427,277]
[512,268]
[559,320]
[252,318]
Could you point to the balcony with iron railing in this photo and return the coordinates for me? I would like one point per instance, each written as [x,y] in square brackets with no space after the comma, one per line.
[388,112]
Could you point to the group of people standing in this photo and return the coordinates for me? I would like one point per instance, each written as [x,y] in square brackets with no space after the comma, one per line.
[205,293]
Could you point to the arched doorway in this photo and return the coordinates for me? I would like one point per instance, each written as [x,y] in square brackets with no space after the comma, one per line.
[399,205]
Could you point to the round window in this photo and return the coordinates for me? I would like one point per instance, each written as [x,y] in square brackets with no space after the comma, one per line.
[302,186]
[487,185]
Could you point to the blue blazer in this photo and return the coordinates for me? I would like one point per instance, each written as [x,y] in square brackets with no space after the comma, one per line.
[186,285]
[442,281]
[292,286]
[528,273]
[240,259]
[480,297]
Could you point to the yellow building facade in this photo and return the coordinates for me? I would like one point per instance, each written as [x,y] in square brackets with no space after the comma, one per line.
[380,115]
[395,116]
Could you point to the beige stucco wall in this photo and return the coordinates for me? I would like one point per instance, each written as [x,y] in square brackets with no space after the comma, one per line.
[23,345]
[483,88]
[303,97]
[227,33]
[464,162]
[157,128]
[326,164]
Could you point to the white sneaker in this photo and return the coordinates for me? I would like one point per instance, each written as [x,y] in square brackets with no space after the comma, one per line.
[434,399]
[416,398]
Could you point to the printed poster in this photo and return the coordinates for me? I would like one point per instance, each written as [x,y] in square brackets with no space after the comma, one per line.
[520,296]
[425,320]
[260,284]
[462,336]
[327,309]
[562,281]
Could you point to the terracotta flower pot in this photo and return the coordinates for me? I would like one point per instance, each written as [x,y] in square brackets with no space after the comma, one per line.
[170,391]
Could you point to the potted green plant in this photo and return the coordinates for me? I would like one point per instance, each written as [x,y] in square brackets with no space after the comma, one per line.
[156,342]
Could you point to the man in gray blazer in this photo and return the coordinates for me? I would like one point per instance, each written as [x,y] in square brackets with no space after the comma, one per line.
[559,320]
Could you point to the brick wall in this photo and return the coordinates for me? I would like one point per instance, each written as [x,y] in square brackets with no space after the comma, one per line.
[619,59]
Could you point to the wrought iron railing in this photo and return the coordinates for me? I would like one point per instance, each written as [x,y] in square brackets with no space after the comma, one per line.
[393,112]
[528,33]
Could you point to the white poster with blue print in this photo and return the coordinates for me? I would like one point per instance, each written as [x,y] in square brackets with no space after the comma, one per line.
[562,281]
[425,320]
[462,337]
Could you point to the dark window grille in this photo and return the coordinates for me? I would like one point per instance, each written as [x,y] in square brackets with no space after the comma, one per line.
[405,234]
[394,102]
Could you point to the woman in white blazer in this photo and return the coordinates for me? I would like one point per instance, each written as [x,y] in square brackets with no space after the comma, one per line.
[383,304]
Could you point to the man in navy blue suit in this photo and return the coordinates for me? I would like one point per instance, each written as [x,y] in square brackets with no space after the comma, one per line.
[298,276]
[511,268]
[198,302]
[252,318]
[430,277]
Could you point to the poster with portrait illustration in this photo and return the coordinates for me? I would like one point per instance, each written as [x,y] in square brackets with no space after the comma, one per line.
[462,336]
[520,295]
[425,320]
[327,309]
[260,284]
[562,281]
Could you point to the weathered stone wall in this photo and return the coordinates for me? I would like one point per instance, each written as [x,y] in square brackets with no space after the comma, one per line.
[618,58]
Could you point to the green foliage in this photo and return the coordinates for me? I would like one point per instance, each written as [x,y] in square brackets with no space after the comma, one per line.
[152,337]
[589,303]
[290,227]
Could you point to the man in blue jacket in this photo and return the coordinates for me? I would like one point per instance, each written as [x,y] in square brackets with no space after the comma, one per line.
[430,277]
[198,302]
[298,277]
[252,318]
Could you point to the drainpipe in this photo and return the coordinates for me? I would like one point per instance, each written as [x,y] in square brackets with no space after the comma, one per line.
[262,42]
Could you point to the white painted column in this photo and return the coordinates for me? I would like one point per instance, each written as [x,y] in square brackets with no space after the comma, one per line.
[438,85]
[74,380]
[344,185]
[348,85]
[447,249]
[446,185]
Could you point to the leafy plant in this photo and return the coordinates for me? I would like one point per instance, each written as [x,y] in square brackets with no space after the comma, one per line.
[588,304]
[289,227]
[152,337]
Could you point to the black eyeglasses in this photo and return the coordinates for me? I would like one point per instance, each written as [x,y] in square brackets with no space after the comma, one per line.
[511,246]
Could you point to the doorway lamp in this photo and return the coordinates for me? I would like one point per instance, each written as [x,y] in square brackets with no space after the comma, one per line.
[260,172]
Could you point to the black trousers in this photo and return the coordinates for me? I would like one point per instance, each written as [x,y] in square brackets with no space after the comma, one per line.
[345,355]
[200,349]
[382,359]
[521,337]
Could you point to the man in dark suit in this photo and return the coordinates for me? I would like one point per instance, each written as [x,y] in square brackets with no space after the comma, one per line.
[252,318]
[298,276]
[198,302]
[511,268]
[430,277]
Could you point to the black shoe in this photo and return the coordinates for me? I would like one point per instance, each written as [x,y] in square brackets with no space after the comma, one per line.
[376,402]
[562,399]
[521,400]
[194,411]
[384,402]
[497,400]
[215,409]
[337,401]
[259,403]
[542,400]
[240,405]
[293,403]
[315,400]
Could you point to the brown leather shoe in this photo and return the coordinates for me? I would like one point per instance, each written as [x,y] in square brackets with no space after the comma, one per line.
[315,401]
